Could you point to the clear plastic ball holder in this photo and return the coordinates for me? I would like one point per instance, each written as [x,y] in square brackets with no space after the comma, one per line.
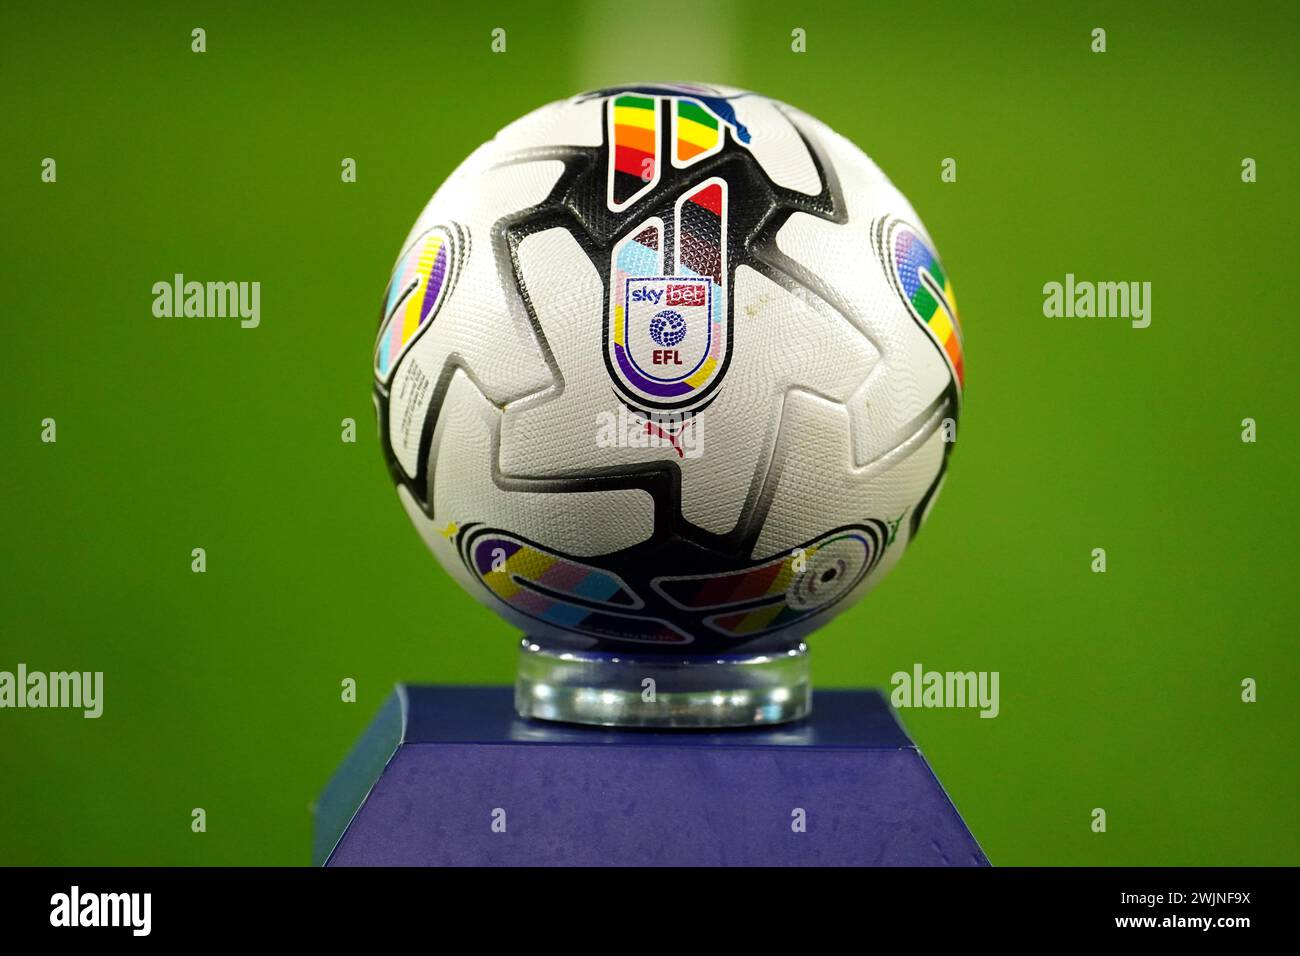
[662,690]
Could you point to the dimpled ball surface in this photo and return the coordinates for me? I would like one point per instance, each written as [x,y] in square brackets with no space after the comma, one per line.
[670,369]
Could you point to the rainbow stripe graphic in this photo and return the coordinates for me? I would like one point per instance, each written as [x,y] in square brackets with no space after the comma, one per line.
[697,132]
[698,117]
[535,583]
[926,287]
[784,589]
[412,298]
[634,148]
[722,590]
[767,618]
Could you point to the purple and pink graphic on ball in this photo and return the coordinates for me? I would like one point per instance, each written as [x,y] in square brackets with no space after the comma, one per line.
[563,592]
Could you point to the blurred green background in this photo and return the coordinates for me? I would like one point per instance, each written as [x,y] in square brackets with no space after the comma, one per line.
[1118,690]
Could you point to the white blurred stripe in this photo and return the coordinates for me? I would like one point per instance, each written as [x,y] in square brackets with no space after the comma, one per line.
[656,42]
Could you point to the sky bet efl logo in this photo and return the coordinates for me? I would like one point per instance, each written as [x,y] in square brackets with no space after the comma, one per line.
[667,341]
[662,313]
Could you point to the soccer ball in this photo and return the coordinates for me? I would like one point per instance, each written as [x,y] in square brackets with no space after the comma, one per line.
[669,369]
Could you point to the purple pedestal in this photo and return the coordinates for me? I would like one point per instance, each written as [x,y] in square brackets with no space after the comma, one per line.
[449,776]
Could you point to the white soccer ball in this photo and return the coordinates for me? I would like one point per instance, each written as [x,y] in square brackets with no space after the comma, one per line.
[668,368]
